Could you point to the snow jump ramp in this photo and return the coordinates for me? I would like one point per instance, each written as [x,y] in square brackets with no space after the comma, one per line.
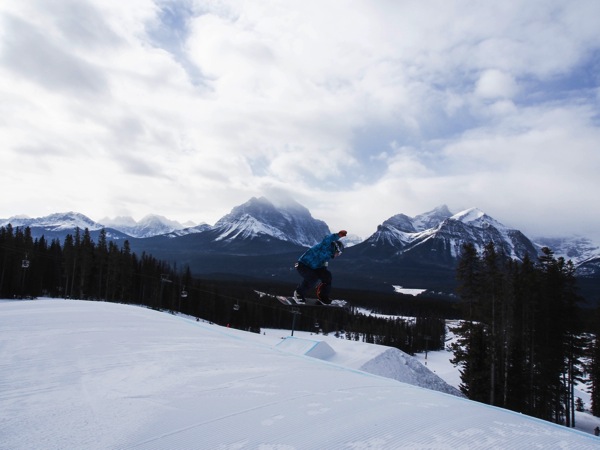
[308,347]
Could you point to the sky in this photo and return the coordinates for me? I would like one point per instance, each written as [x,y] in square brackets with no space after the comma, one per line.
[357,110]
[99,375]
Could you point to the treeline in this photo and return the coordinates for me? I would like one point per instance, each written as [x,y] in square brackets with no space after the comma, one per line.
[79,268]
[521,345]
[83,269]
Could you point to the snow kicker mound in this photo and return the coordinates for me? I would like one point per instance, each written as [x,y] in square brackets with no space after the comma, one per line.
[308,347]
[397,365]
[391,363]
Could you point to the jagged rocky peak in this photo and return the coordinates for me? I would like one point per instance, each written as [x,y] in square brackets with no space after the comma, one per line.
[475,226]
[441,232]
[287,220]
[431,219]
[400,222]
[56,221]
[149,225]
[260,209]
[119,221]
[477,218]
[421,222]
[264,207]
[575,248]
[156,220]
[152,225]
[69,219]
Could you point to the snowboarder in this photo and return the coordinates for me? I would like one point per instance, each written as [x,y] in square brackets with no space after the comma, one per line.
[312,266]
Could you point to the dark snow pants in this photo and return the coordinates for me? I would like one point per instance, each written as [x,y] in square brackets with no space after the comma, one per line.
[310,277]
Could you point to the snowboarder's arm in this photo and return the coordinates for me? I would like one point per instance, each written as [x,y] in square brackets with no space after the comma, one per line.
[327,240]
[334,237]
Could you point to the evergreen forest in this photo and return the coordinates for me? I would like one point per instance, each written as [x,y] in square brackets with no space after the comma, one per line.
[522,344]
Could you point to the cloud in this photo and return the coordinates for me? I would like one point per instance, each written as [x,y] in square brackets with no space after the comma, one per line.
[359,111]
[495,84]
[30,54]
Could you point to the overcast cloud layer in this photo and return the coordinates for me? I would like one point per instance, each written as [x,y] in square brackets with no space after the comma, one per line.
[358,110]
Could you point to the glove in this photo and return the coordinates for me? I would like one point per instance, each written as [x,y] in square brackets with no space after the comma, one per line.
[342,233]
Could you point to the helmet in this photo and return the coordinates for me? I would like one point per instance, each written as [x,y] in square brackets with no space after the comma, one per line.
[336,248]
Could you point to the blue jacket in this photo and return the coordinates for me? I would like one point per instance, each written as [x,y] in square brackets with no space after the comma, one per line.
[318,255]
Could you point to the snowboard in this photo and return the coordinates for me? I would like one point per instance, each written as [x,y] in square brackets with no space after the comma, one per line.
[312,302]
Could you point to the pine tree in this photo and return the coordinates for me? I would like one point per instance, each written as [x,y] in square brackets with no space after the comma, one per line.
[468,274]
[471,348]
[100,264]
[593,365]
[520,387]
[492,287]
[558,350]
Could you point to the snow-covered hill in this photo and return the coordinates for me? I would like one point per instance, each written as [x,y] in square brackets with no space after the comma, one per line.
[98,375]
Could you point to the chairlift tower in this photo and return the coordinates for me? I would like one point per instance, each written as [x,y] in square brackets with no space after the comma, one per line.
[295,312]
[24,267]
[164,278]
[182,295]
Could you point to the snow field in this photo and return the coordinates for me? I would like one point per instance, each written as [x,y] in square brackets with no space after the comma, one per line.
[95,375]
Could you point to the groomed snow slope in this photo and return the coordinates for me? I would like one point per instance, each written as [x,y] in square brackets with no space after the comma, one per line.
[91,375]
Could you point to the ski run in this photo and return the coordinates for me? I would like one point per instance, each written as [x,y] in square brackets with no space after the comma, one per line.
[95,375]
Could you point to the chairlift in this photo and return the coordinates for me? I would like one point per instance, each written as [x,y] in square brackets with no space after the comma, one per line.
[316,324]
[184,294]
[25,264]
[236,307]
[164,278]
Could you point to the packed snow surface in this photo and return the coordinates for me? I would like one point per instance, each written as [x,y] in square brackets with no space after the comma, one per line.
[92,375]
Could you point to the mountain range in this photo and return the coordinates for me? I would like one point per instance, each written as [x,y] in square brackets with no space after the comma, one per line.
[148,226]
[261,239]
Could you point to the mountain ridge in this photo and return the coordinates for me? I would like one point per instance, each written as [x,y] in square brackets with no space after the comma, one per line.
[148,226]
[577,248]
[260,238]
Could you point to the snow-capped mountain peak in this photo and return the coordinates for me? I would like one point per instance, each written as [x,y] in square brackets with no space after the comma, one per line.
[400,236]
[247,227]
[469,215]
[119,222]
[477,218]
[149,225]
[431,219]
[55,222]
[259,216]
[576,248]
